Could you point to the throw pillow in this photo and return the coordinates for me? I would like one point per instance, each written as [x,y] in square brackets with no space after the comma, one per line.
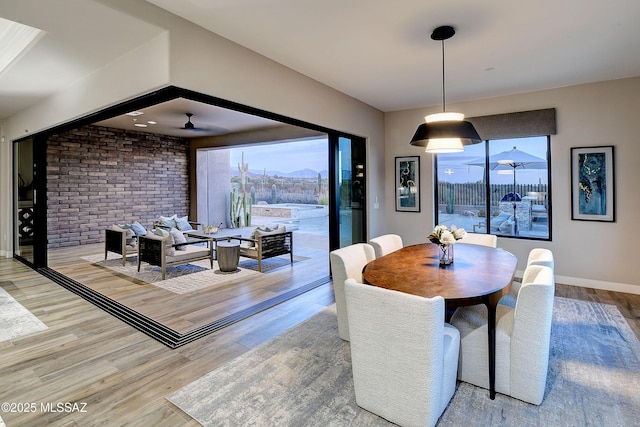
[178,237]
[138,229]
[160,232]
[253,233]
[168,221]
[260,233]
[169,250]
[182,224]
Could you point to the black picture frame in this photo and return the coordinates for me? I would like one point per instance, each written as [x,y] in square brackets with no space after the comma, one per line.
[593,194]
[407,184]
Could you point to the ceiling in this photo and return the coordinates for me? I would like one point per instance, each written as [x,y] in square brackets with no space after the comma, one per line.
[377,51]
[170,118]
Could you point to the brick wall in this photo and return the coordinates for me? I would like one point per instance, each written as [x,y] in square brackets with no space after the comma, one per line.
[99,176]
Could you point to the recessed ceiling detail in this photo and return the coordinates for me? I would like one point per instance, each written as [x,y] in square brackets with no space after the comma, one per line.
[172,118]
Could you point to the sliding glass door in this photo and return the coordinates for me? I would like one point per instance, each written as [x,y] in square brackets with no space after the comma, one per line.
[348,219]
[29,204]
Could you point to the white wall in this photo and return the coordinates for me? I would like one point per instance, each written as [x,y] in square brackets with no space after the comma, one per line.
[592,254]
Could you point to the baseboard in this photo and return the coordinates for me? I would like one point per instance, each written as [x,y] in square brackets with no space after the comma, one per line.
[599,284]
[594,284]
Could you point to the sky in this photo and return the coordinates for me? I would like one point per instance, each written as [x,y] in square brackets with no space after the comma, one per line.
[457,170]
[284,157]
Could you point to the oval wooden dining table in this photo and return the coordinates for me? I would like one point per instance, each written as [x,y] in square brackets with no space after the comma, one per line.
[478,275]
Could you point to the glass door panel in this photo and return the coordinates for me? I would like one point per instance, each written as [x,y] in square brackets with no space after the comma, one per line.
[24,200]
[350,191]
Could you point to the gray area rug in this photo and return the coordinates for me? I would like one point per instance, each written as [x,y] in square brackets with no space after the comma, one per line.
[182,279]
[303,378]
[15,320]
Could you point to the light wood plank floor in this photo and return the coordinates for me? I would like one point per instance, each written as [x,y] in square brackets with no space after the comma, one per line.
[87,356]
[187,312]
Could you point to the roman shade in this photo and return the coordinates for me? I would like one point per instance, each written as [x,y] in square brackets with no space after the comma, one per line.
[516,125]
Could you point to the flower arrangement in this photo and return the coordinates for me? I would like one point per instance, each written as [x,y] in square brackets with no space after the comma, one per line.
[442,236]
[445,239]
[212,229]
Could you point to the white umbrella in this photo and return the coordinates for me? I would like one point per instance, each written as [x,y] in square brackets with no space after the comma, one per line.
[512,160]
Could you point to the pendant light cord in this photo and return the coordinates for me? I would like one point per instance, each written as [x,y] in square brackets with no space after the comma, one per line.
[443,97]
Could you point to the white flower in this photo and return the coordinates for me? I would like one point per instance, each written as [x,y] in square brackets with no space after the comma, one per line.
[441,235]
[458,233]
[447,238]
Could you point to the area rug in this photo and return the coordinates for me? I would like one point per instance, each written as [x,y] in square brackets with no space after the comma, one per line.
[303,377]
[15,320]
[185,278]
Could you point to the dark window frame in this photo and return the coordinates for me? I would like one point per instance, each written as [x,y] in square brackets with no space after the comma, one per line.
[487,143]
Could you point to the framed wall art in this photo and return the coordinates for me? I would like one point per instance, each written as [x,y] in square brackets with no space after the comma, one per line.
[593,183]
[407,184]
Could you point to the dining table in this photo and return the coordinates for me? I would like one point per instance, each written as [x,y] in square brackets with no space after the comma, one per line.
[478,275]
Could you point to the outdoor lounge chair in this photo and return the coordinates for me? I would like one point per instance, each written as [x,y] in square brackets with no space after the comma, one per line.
[502,223]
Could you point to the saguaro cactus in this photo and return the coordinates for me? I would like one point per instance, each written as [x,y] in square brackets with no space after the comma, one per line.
[244,169]
[273,194]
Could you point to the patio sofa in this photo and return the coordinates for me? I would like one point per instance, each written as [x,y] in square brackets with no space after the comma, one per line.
[266,243]
[156,248]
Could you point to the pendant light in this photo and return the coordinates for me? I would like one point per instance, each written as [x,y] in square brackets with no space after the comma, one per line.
[444,132]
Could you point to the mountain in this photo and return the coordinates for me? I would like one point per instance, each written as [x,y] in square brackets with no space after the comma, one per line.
[302,173]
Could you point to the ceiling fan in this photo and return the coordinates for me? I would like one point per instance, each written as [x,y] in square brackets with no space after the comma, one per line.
[189,124]
[210,129]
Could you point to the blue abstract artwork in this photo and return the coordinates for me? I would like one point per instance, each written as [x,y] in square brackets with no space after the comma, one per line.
[592,175]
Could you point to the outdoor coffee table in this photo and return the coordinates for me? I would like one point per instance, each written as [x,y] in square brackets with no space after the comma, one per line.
[220,236]
[228,256]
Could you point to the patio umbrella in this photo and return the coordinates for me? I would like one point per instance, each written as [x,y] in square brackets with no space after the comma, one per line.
[511,160]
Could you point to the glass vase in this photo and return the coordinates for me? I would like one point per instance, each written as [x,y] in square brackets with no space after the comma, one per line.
[446,254]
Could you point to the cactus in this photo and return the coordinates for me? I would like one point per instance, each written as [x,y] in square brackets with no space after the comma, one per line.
[273,194]
[247,215]
[319,183]
[243,168]
[450,201]
[252,191]
[234,209]
[239,214]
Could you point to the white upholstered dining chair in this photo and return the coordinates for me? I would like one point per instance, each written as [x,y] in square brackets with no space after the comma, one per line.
[347,263]
[537,256]
[404,355]
[386,244]
[523,336]
[490,240]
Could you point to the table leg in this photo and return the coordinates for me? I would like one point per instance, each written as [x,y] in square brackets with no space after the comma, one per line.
[491,329]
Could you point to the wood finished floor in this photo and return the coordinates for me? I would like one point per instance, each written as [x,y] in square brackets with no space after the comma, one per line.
[122,375]
[186,312]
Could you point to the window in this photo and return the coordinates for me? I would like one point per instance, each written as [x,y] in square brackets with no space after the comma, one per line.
[500,187]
